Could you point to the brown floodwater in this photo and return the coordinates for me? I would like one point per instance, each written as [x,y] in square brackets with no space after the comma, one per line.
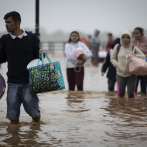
[92,118]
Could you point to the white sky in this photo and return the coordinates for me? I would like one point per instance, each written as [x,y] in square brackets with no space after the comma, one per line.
[82,15]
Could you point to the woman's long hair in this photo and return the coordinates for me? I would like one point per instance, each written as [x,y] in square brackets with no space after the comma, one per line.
[69,40]
[141,30]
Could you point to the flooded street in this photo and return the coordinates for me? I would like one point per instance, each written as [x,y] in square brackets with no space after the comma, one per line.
[92,118]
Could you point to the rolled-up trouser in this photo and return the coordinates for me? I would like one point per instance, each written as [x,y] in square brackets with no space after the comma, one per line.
[18,94]
[122,82]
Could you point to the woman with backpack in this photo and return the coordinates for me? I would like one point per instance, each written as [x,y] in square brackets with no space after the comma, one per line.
[140,40]
[75,64]
[124,77]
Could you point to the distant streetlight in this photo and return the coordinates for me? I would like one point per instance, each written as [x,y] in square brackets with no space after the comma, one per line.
[37,19]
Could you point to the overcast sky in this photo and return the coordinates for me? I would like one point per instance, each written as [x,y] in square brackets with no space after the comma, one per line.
[82,15]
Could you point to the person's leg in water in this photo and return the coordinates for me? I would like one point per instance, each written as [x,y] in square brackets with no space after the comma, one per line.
[95,56]
[79,79]
[80,87]
[30,102]
[143,83]
[137,83]
[36,119]
[92,58]
[131,84]
[121,85]
[98,56]
[111,84]
[13,103]
[71,78]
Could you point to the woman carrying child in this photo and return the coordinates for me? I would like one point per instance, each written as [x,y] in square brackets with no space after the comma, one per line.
[118,59]
[75,64]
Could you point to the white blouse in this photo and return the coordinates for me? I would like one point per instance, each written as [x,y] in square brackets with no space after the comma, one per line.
[71,60]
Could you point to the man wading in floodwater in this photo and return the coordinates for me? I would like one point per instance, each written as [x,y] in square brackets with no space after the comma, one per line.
[17,49]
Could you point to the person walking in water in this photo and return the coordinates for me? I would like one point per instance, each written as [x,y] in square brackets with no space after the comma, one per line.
[17,50]
[94,44]
[124,77]
[75,66]
[140,40]
[111,74]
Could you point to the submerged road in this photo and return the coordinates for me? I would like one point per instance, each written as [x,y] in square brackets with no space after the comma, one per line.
[92,118]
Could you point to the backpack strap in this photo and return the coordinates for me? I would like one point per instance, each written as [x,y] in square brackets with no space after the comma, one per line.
[110,52]
[133,49]
[119,45]
[118,48]
[30,37]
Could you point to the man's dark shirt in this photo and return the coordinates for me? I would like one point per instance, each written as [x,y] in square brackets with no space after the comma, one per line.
[18,53]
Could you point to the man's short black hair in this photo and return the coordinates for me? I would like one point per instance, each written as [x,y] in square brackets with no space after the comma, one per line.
[110,34]
[15,15]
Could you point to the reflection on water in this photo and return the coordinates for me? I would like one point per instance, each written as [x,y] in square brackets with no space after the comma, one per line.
[28,134]
[74,118]
[130,123]
[76,102]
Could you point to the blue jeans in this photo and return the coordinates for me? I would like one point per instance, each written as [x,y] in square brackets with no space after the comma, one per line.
[17,94]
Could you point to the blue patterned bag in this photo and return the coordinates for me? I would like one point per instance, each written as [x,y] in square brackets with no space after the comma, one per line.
[46,77]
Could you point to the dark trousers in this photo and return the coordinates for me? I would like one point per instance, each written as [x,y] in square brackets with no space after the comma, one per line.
[122,82]
[111,84]
[95,56]
[75,78]
[143,83]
